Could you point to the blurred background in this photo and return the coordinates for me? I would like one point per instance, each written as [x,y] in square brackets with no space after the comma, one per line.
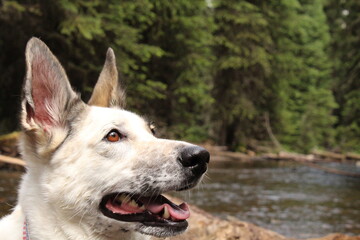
[254,76]
[207,70]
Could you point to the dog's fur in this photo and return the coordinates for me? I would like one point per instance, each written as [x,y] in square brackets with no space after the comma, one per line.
[70,166]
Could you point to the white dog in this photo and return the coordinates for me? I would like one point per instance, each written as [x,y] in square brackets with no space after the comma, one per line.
[94,171]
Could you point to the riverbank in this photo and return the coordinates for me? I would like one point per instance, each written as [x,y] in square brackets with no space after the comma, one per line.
[207,226]
[204,226]
[220,153]
[8,148]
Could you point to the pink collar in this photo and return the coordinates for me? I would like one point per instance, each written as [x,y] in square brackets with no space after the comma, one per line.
[25,231]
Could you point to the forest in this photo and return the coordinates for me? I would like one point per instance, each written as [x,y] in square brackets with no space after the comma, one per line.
[229,72]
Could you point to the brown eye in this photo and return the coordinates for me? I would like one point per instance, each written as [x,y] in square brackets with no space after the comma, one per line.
[152,128]
[113,136]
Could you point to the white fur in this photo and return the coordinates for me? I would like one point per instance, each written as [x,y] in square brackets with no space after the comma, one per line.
[60,198]
[71,166]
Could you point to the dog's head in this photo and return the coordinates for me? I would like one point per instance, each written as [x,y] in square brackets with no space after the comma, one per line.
[99,165]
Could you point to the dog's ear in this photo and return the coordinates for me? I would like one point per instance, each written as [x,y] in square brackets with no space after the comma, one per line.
[47,94]
[107,92]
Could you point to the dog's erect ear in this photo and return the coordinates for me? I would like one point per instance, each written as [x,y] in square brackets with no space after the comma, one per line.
[107,92]
[47,95]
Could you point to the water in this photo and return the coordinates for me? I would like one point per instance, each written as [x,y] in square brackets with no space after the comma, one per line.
[293,200]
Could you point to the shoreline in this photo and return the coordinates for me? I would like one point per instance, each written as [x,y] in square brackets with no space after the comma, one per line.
[203,225]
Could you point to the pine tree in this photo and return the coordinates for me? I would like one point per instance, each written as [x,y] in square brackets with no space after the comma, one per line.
[344,22]
[242,45]
[78,32]
[183,30]
[302,71]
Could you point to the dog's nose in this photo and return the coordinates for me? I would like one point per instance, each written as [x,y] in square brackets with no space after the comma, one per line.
[196,158]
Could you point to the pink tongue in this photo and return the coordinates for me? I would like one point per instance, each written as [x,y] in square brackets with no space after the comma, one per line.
[124,208]
[179,213]
[155,206]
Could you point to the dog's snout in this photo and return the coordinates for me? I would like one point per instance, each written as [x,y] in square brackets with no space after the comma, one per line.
[196,158]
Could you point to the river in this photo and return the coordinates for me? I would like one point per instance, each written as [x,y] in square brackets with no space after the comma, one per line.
[291,199]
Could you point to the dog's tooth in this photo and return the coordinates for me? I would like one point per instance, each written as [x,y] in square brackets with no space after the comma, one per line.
[122,198]
[142,208]
[133,204]
[166,214]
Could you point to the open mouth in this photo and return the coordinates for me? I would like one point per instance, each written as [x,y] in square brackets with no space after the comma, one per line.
[157,211]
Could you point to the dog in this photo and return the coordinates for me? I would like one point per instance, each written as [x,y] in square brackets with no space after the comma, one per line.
[94,170]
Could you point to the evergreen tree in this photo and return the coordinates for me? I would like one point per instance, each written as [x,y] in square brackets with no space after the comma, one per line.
[183,30]
[344,21]
[218,68]
[302,73]
[242,45]
[175,36]
[78,32]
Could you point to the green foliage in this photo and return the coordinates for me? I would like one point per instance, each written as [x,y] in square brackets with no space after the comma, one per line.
[242,45]
[193,133]
[174,87]
[272,57]
[205,70]
[344,22]
[183,30]
[302,71]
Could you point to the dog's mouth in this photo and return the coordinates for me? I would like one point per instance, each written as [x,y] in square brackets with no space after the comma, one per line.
[157,211]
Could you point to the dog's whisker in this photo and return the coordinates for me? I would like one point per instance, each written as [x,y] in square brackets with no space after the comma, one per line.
[76,213]
[10,205]
[82,218]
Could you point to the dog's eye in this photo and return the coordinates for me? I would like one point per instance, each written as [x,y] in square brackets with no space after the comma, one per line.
[152,128]
[113,136]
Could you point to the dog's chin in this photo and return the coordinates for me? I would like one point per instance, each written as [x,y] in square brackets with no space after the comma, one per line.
[162,231]
[155,215]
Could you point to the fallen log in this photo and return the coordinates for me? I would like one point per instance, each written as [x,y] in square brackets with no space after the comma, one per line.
[10,137]
[353,156]
[8,144]
[232,155]
[309,160]
[329,155]
[11,160]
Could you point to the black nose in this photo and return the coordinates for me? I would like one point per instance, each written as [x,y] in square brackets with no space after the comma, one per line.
[196,158]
